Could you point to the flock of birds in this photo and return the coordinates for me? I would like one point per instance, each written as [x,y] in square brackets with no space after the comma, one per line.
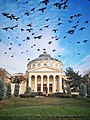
[63,5]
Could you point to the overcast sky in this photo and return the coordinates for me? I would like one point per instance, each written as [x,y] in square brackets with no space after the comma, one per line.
[22,21]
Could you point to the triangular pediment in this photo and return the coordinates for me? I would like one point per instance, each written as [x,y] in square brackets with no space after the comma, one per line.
[46,69]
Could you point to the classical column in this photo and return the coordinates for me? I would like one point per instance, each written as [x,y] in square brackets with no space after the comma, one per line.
[35,83]
[29,84]
[54,84]
[41,83]
[47,84]
[60,84]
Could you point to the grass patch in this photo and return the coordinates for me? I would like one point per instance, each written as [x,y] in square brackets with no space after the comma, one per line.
[45,108]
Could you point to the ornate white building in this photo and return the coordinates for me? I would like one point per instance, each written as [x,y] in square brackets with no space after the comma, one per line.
[45,74]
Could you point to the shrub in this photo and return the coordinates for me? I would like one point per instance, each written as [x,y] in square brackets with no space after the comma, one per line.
[26,95]
[8,92]
[82,90]
[16,90]
[28,91]
[1,89]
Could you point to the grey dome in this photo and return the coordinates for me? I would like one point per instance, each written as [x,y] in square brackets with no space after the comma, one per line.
[45,56]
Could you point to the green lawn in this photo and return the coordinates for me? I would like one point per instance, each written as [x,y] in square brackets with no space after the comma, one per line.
[48,108]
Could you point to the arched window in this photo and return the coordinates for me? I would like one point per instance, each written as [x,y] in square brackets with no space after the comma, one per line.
[51,64]
[33,65]
[39,64]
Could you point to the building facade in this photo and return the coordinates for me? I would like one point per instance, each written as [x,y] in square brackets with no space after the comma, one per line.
[45,74]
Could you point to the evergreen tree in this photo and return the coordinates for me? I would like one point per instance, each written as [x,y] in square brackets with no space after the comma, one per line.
[28,90]
[74,78]
[68,89]
[16,90]
[82,89]
[8,92]
[1,89]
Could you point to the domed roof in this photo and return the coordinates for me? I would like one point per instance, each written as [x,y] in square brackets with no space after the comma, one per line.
[44,56]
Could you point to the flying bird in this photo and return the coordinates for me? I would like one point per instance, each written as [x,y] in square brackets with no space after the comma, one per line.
[39,37]
[6,28]
[27,13]
[70,32]
[42,9]
[82,28]
[54,50]
[47,19]
[45,2]
[32,9]
[78,42]
[85,41]
[87,21]
[49,42]
[55,30]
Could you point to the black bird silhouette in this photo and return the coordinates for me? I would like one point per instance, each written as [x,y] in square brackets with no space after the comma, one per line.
[33,33]
[78,21]
[10,48]
[40,29]
[29,30]
[44,49]
[78,15]
[70,21]
[27,13]
[16,18]
[57,39]
[75,26]
[85,41]
[59,24]
[28,59]
[28,38]
[65,6]
[5,14]
[21,52]
[12,55]
[11,44]
[6,28]
[42,9]
[47,19]
[22,29]
[27,2]
[49,42]
[82,28]
[54,50]
[0,40]
[59,55]
[45,2]
[70,32]
[32,9]
[78,42]
[59,19]
[19,44]
[39,37]
[87,21]
[38,49]
[64,37]
[71,17]
[5,52]
[78,53]
[46,26]
[30,25]
[55,30]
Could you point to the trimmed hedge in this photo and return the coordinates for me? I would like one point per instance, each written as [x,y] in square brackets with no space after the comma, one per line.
[26,95]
